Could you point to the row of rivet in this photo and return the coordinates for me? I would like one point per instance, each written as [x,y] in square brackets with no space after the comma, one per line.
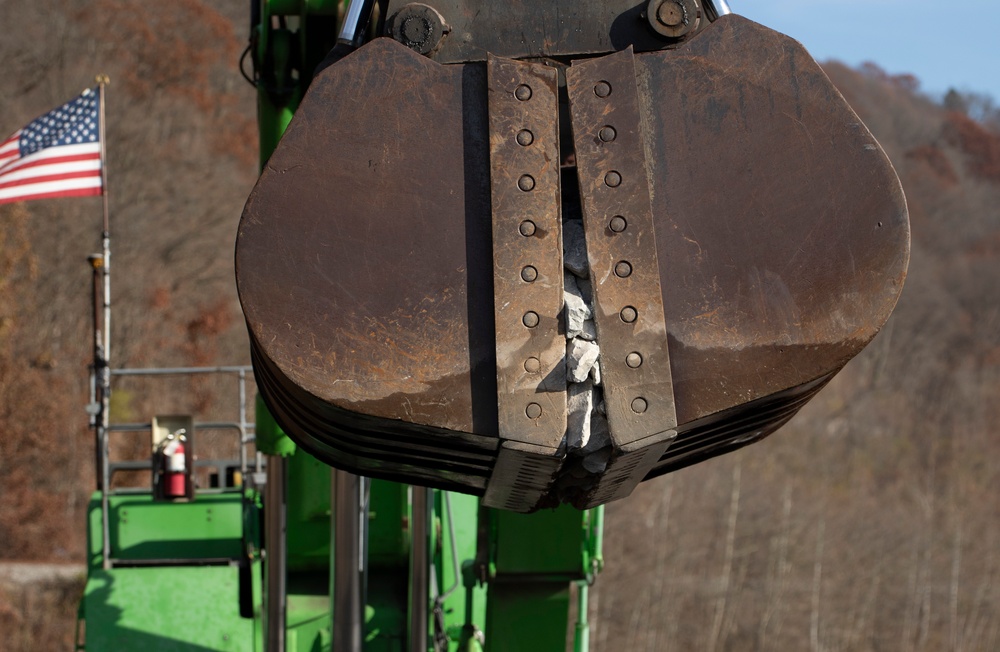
[618,224]
[527,228]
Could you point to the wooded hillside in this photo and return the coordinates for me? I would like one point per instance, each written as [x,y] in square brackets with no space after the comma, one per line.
[868,523]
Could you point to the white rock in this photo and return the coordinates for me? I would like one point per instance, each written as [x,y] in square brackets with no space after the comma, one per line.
[580,406]
[577,310]
[575,248]
[580,358]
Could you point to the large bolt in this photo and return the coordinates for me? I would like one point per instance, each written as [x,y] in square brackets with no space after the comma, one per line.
[418,27]
[533,411]
[673,18]
[670,14]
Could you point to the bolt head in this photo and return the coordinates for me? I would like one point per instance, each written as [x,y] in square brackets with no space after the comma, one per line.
[623,269]
[629,314]
[533,411]
[529,274]
[617,224]
[530,319]
[602,89]
[671,14]
[525,138]
[526,182]
[633,360]
[613,179]
[526,228]
[607,134]
[523,92]
[532,365]
[639,405]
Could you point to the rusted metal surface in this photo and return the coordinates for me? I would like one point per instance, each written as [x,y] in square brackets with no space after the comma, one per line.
[746,236]
[781,227]
[527,280]
[621,247]
[527,251]
[528,28]
[360,266]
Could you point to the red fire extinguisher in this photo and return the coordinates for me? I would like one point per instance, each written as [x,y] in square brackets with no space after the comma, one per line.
[175,461]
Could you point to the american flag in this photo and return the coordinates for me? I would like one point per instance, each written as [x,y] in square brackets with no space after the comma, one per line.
[56,155]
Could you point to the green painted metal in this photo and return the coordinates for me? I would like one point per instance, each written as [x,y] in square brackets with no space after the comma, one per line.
[271,439]
[308,510]
[163,609]
[544,545]
[581,642]
[209,527]
[458,610]
[527,616]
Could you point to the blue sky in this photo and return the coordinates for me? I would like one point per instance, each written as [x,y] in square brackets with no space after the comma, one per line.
[944,43]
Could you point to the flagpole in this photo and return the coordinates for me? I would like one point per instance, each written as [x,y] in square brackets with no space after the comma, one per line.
[105,361]
[102,82]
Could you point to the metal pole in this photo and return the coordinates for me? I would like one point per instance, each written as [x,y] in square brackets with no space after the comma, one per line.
[275,542]
[419,567]
[582,641]
[348,609]
[716,8]
[243,427]
[105,357]
[352,30]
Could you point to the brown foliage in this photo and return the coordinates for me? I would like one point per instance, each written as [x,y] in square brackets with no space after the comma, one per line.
[980,145]
[936,162]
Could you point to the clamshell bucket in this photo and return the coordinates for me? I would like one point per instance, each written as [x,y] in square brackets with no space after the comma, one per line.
[401,260]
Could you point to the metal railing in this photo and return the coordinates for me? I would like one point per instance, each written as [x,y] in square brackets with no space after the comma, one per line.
[242,427]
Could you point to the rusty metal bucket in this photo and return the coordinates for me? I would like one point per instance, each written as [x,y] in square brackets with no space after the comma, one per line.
[746,237]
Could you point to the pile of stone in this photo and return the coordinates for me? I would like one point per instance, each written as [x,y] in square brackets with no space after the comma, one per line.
[588,441]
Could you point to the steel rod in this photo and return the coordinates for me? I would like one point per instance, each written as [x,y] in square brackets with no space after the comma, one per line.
[348,610]
[275,526]
[419,567]
[716,8]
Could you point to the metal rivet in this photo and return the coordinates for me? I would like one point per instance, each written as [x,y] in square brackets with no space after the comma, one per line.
[529,274]
[526,182]
[613,179]
[639,405]
[527,228]
[617,224]
[530,319]
[533,411]
[623,269]
[525,138]
[602,89]
[633,360]
[607,134]
[532,365]
[629,314]
[523,92]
